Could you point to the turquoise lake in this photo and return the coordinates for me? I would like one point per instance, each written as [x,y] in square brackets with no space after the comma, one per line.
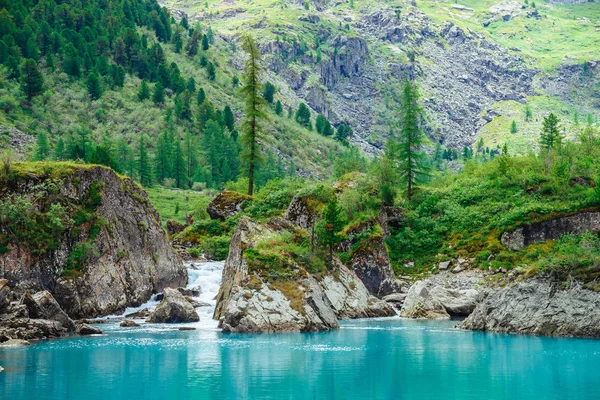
[365,359]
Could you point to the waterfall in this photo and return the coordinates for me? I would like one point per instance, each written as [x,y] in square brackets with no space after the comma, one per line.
[204,277]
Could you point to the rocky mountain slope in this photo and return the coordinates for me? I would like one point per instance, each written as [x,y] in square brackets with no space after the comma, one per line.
[86,235]
[478,64]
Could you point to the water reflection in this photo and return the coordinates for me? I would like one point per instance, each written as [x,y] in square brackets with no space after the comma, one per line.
[384,359]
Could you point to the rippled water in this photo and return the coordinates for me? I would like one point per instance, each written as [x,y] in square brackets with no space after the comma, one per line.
[366,359]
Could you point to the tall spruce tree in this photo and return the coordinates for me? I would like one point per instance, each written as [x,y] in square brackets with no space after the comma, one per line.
[254,109]
[550,138]
[329,227]
[143,163]
[42,148]
[32,80]
[93,86]
[411,139]
[179,164]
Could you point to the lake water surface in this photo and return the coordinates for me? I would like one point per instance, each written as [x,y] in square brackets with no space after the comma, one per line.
[389,358]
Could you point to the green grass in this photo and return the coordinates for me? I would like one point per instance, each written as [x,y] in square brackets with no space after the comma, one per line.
[166,201]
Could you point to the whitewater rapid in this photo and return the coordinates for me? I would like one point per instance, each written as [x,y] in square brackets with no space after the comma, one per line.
[202,276]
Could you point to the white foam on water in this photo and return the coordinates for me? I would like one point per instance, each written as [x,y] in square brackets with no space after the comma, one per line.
[202,276]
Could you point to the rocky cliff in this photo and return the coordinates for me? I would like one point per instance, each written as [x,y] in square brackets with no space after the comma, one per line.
[537,307]
[262,292]
[85,234]
[551,229]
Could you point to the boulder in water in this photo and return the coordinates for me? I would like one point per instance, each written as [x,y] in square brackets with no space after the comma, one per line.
[85,329]
[42,305]
[143,313]
[427,299]
[129,324]
[174,308]
[15,343]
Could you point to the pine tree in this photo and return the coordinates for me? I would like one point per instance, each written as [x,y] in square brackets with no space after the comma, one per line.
[144,92]
[254,109]
[550,137]
[229,118]
[278,108]
[93,86]
[329,227]
[158,97]
[211,71]
[504,161]
[205,44]
[143,164]
[528,113]
[59,150]
[320,123]
[32,81]
[193,44]
[513,127]
[162,158]
[201,96]
[179,164]
[343,133]
[303,116]
[269,92]
[410,158]
[189,154]
[42,148]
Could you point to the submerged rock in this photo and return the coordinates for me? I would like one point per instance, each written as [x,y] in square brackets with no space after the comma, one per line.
[129,324]
[174,308]
[85,329]
[537,307]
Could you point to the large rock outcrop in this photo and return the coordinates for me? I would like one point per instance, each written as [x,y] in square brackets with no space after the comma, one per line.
[551,230]
[250,302]
[36,316]
[174,308]
[226,204]
[110,251]
[537,307]
[442,296]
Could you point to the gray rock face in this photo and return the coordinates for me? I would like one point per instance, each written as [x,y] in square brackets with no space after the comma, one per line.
[420,303]
[130,257]
[34,317]
[174,308]
[537,307]
[390,218]
[301,213]
[85,329]
[551,230]
[4,295]
[247,303]
[42,305]
[226,205]
[442,296]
